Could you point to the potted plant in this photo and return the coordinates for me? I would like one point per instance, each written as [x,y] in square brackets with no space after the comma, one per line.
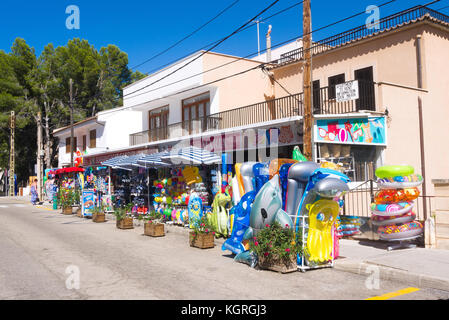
[98,214]
[202,236]
[66,199]
[277,248]
[153,226]
[124,219]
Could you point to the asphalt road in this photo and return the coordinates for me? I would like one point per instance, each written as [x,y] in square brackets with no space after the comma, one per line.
[42,250]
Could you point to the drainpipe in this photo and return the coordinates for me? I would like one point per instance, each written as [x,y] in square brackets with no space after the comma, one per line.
[269,44]
[421,126]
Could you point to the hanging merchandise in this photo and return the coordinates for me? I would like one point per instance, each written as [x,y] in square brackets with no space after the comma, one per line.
[392,211]
[298,156]
[220,214]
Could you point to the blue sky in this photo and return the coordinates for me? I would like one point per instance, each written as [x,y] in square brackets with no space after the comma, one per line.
[144,28]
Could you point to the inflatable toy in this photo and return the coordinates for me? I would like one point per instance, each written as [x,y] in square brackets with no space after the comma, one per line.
[236,196]
[401,232]
[241,223]
[392,209]
[239,179]
[283,176]
[246,170]
[322,215]
[219,217]
[394,171]
[261,176]
[267,208]
[396,195]
[390,220]
[298,177]
[191,175]
[411,181]
[275,165]
[195,209]
[298,156]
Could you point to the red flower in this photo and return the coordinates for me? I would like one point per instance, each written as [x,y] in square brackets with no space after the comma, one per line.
[266,254]
[267,225]
[286,225]
[287,250]
[256,243]
[213,233]
[207,230]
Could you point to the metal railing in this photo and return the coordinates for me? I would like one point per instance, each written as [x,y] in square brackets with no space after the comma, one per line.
[361,32]
[358,202]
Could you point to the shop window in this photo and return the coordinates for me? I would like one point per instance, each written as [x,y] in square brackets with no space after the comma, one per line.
[332,82]
[93,139]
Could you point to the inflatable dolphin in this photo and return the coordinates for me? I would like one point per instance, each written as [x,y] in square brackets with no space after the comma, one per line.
[267,209]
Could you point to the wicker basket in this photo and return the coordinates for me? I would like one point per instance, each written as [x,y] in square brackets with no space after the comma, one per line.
[202,240]
[67,211]
[98,217]
[154,229]
[278,265]
[125,223]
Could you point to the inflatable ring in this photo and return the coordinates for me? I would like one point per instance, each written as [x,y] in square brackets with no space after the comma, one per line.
[400,182]
[385,220]
[393,209]
[385,196]
[403,231]
[394,171]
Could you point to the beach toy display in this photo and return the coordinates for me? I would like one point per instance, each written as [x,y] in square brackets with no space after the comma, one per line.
[392,210]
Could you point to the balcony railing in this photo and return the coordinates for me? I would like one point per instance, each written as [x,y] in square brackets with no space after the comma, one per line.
[361,32]
[286,107]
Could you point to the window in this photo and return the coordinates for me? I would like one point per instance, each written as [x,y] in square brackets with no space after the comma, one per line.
[157,124]
[68,146]
[316,96]
[93,139]
[84,143]
[366,99]
[332,82]
[194,113]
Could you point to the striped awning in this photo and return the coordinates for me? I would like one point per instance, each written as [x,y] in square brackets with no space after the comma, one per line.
[113,161]
[154,160]
[191,155]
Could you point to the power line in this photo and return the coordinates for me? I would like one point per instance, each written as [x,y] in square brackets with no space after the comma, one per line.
[188,36]
[203,53]
[212,43]
[252,54]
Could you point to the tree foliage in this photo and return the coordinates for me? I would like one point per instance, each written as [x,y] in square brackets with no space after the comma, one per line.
[30,84]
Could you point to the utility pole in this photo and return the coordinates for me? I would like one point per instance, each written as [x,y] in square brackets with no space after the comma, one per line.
[71,123]
[11,156]
[39,155]
[307,79]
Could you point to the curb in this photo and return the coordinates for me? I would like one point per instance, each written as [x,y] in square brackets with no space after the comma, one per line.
[392,274]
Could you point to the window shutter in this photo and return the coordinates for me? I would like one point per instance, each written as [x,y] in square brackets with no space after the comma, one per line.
[93,139]
[67,145]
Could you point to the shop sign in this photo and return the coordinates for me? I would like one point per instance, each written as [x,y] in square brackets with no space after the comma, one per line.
[347,91]
[88,202]
[363,131]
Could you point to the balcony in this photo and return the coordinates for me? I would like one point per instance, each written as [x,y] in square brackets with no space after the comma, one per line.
[276,109]
[338,40]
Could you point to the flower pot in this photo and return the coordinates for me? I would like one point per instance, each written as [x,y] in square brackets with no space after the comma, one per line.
[125,223]
[67,210]
[154,229]
[202,240]
[278,265]
[98,217]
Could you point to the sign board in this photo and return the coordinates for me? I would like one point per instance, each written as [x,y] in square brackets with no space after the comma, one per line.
[88,202]
[347,91]
[362,131]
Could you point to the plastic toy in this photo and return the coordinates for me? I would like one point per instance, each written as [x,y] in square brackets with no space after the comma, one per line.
[246,171]
[239,179]
[298,156]
[275,165]
[195,208]
[394,171]
[322,215]
[283,176]
[191,175]
[236,196]
[392,209]
[219,217]
[400,232]
[396,195]
[410,181]
[261,175]
[390,220]
[241,223]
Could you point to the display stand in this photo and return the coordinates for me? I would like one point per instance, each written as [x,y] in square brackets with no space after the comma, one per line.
[403,243]
[303,267]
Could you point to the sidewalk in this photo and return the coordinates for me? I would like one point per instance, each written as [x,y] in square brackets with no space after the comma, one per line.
[418,266]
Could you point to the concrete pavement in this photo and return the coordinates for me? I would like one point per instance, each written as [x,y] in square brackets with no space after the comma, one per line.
[37,246]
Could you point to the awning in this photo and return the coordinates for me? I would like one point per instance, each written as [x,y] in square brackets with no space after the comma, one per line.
[191,155]
[69,170]
[154,160]
[113,161]
[124,162]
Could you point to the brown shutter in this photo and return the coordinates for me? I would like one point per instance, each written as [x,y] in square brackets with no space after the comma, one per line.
[84,143]
[93,139]
[67,145]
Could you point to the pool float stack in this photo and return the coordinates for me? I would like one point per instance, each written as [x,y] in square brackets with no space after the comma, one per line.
[392,210]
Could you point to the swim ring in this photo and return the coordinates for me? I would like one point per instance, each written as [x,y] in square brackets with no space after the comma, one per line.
[394,171]
[392,209]
[396,195]
[403,231]
[410,181]
[390,220]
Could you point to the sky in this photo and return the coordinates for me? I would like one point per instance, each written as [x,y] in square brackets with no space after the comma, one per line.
[143,29]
